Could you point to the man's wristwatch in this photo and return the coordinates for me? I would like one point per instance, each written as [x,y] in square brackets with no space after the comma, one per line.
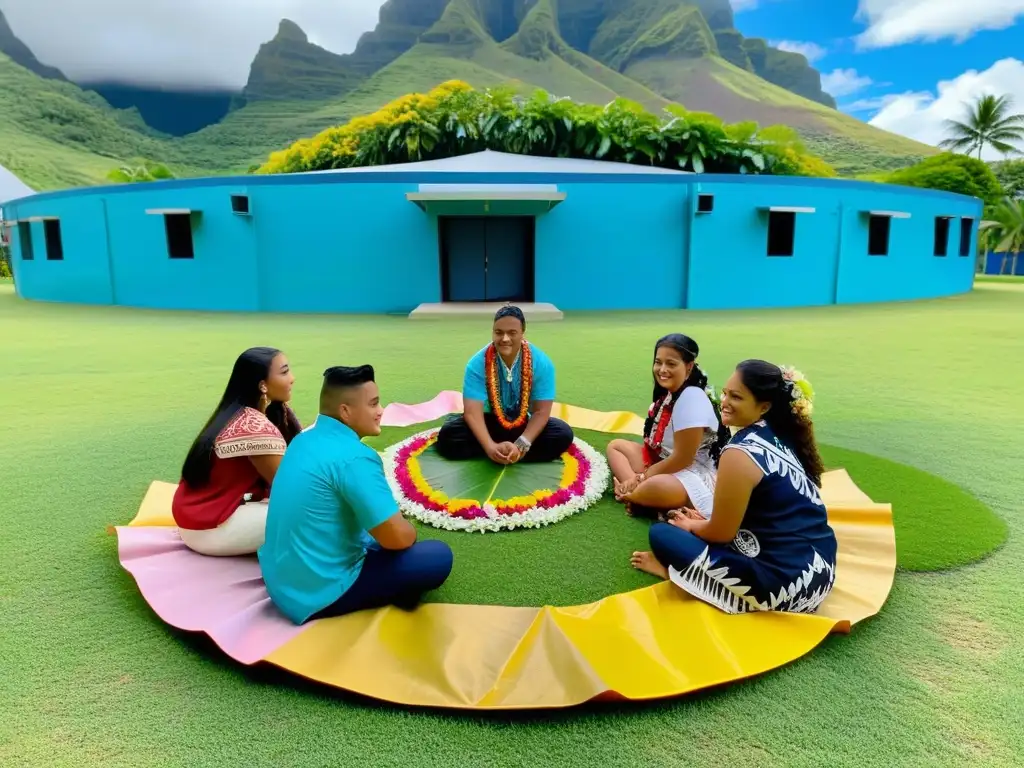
[523,445]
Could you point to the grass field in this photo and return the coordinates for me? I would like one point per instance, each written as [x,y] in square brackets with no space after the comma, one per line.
[100,401]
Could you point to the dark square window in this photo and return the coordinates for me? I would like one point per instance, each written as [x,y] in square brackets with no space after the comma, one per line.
[966,231]
[25,236]
[781,233]
[705,203]
[54,241]
[941,235]
[179,235]
[878,235]
[240,204]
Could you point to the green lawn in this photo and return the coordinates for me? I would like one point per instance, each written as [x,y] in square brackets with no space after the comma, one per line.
[999,279]
[101,401]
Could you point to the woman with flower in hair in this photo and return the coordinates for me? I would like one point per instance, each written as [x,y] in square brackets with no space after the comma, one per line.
[768,545]
[675,465]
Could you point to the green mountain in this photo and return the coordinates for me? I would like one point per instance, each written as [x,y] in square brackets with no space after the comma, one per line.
[654,52]
[20,53]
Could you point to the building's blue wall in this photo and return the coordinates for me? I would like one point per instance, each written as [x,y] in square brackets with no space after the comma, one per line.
[614,246]
[729,265]
[224,273]
[353,243]
[345,248]
[83,276]
[911,270]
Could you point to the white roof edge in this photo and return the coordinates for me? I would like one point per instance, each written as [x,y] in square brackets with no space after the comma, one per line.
[489,161]
[890,214]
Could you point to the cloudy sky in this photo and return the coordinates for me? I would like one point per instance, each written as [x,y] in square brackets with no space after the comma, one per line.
[176,42]
[904,65]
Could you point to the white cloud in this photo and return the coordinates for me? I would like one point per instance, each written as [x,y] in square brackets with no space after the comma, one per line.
[843,82]
[921,115]
[190,43]
[894,22]
[871,104]
[812,51]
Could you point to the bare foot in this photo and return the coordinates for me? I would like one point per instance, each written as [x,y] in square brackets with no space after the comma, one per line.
[648,563]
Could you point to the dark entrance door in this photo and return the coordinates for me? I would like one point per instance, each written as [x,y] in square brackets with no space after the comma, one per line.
[487,258]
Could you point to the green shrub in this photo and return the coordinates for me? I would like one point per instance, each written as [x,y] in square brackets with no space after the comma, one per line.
[455,119]
[951,172]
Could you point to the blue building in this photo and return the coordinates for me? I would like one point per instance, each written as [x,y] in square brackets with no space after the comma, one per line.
[579,234]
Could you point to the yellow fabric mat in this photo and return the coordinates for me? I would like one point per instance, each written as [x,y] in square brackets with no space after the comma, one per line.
[649,643]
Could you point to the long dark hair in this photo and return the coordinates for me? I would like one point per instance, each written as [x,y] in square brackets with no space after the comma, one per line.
[688,350]
[242,390]
[767,384]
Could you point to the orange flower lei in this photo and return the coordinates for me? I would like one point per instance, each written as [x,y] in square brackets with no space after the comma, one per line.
[493,391]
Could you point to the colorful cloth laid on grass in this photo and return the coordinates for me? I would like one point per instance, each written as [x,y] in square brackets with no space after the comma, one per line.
[783,558]
[234,479]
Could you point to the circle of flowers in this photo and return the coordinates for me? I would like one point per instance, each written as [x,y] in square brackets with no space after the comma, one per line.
[585,477]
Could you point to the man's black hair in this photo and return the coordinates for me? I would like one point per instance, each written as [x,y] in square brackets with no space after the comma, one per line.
[337,380]
[347,376]
[511,311]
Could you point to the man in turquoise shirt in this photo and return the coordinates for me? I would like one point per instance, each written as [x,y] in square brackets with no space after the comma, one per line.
[336,541]
[507,393]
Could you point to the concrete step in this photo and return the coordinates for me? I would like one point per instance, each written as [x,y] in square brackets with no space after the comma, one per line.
[534,312]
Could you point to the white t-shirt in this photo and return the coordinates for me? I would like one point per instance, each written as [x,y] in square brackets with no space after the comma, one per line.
[692,409]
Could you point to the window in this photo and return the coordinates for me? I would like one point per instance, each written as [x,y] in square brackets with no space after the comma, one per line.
[25,235]
[878,235]
[179,235]
[705,203]
[240,204]
[941,235]
[966,230]
[54,242]
[781,233]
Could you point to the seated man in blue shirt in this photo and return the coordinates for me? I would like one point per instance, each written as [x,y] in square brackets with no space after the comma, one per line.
[507,393]
[336,541]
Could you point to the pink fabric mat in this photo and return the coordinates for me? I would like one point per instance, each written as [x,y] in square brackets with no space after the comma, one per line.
[221,596]
[404,415]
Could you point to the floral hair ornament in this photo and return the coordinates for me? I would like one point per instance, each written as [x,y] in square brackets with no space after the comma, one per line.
[800,391]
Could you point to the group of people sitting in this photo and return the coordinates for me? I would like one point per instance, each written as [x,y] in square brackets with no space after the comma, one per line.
[735,490]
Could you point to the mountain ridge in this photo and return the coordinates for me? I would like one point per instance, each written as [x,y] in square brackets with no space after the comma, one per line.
[654,52]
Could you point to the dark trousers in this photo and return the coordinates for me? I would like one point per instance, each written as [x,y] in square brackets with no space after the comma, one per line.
[457,441]
[392,577]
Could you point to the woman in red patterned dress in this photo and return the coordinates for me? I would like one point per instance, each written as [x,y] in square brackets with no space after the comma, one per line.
[220,505]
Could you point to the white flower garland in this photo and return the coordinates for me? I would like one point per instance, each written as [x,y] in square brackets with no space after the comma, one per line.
[594,487]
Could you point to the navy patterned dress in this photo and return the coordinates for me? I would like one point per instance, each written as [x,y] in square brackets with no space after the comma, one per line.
[783,557]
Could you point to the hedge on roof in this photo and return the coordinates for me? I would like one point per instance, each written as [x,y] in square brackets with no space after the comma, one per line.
[456,119]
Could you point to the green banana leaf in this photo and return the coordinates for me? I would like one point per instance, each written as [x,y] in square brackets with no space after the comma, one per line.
[482,480]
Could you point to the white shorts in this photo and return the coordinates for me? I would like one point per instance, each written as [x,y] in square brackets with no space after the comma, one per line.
[241,534]
[699,481]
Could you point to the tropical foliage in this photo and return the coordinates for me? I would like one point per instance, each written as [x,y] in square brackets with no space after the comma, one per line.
[989,122]
[952,173]
[145,171]
[1003,232]
[455,119]
[1010,174]
[5,262]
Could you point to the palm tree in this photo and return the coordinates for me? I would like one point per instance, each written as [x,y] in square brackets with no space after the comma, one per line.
[988,123]
[1006,232]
